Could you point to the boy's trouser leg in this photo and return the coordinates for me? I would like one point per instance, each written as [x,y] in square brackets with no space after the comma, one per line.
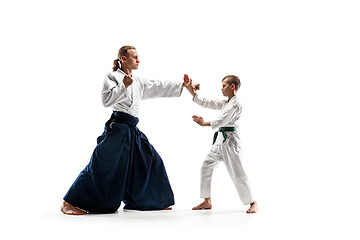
[232,160]
[211,161]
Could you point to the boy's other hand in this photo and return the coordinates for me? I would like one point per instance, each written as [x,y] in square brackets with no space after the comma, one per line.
[195,86]
[198,120]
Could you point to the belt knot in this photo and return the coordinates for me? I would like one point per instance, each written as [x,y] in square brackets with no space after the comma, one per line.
[223,130]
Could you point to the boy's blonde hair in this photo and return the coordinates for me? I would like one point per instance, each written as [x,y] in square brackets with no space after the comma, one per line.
[232,79]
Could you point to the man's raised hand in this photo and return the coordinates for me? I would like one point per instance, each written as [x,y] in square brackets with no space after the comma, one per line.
[188,83]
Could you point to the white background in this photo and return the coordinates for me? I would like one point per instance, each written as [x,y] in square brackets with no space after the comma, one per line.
[299,66]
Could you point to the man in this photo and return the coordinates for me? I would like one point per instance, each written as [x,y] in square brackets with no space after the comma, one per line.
[124,165]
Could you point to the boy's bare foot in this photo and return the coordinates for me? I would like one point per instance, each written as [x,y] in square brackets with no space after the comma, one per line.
[69,209]
[168,208]
[253,208]
[206,204]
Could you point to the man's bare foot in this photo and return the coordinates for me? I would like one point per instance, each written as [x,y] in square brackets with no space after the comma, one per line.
[168,208]
[69,209]
[253,208]
[206,204]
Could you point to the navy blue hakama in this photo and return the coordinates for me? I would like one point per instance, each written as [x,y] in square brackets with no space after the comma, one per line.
[124,167]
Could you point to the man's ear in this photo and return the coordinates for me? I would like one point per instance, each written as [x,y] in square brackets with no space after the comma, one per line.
[123,59]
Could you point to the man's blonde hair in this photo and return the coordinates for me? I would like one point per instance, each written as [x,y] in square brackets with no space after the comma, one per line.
[123,51]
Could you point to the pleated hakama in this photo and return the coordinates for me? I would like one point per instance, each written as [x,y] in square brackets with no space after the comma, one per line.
[124,167]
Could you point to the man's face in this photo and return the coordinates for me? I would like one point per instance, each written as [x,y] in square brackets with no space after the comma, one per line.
[132,59]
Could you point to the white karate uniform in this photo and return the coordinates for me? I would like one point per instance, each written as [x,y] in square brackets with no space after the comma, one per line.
[127,100]
[229,151]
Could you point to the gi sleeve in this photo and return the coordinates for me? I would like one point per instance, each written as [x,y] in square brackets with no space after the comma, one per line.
[227,118]
[212,104]
[156,88]
[114,91]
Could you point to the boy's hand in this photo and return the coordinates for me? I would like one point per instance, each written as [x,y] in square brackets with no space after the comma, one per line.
[198,120]
[196,86]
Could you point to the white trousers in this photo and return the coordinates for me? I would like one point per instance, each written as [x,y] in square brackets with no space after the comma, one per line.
[230,153]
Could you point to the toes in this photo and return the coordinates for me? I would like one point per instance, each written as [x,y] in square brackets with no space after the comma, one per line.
[251,211]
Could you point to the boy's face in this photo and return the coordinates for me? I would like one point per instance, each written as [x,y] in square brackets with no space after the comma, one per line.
[227,89]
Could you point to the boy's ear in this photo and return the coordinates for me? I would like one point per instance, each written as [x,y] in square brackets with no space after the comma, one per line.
[232,86]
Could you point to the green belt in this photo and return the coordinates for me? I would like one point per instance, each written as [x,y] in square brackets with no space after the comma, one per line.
[223,130]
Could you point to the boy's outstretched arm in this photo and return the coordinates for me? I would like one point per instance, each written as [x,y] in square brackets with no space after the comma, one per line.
[200,121]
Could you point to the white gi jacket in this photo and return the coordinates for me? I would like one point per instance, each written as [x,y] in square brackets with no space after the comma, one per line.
[230,112]
[120,98]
